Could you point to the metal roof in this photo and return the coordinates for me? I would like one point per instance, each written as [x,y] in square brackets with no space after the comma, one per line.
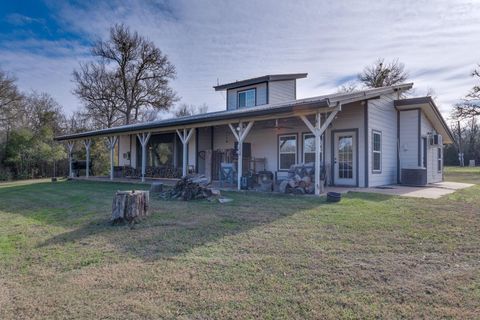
[268,77]
[330,100]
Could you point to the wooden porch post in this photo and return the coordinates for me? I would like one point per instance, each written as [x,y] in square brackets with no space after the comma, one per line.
[185,138]
[318,141]
[318,130]
[111,142]
[143,138]
[87,143]
[240,136]
[70,145]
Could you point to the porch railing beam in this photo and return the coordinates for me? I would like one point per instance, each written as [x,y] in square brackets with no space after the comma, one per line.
[87,143]
[185,137]
[111,142]
[143,138]
[240,136]
[70,145]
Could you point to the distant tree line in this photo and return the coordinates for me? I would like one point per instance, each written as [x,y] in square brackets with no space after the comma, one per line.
[127,81]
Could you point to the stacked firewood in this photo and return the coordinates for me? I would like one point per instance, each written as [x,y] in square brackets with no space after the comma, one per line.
[300,180]
[191,188]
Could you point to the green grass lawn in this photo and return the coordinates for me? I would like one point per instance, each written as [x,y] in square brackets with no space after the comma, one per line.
[260,256]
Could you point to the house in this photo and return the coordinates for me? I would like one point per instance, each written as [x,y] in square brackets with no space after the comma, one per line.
[367,138]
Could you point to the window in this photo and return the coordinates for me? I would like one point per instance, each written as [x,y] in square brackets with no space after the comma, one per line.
[439,161]
[246,98]
[309,148]
[377,151]
[287,151]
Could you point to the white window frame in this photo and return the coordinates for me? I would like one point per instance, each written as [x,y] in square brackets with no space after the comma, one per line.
[246,92]
[304,135]
[280,152]
[375,170]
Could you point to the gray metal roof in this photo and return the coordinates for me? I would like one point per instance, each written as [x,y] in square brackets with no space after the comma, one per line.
[330,100]
[268,77]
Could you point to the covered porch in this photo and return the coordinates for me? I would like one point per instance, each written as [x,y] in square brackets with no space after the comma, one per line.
[324,144]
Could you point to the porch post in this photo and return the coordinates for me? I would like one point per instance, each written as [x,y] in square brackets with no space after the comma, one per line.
[240,136]
[111,142]
[185,138]
[87,143]
[143,138]
[70,145]
[318,131]
[318,183]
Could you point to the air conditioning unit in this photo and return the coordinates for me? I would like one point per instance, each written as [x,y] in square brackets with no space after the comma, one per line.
[436,140]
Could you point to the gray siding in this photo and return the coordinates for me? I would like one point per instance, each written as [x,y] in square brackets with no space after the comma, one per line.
[409,139]
[382,117]
[280,91]
[261,95]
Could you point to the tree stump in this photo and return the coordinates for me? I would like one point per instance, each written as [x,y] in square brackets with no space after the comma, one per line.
[129,206]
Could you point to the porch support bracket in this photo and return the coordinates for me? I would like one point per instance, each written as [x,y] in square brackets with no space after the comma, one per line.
[143,138]
[318,129]
[185,135]
[240,136]
[111,142]
[87,143]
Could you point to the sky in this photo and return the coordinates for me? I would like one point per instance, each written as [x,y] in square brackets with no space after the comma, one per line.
[210,42]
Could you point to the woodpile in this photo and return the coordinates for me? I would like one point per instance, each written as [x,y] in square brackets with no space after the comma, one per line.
[128,206]
[300,180]
[191,188]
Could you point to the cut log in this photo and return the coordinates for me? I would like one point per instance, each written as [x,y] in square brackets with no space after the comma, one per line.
[129,206]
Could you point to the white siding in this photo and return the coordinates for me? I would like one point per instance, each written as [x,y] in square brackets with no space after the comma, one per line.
[350,117]
[124,147]
[264,141]
[409,139]
[433,175]
[280,91]
[261,95]
[382,117]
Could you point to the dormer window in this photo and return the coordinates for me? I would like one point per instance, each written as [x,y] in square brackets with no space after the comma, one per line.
[246,98]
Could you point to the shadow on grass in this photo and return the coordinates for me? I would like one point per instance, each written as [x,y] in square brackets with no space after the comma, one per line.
[174,227]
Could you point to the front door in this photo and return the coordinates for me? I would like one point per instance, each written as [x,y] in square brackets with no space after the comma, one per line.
[345,158]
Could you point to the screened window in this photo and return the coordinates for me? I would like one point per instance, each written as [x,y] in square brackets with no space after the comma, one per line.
[439,161]
[309,148]
[246,98]
[287,151]
[377,151]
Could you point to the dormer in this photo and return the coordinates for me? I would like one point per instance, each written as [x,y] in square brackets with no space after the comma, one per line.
[269,89]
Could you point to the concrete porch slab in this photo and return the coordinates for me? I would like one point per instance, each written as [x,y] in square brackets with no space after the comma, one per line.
[432,191]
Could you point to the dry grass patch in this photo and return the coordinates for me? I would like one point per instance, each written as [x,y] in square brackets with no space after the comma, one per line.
[260,256]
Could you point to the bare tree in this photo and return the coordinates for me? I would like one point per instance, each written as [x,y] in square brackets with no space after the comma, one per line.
[470,105]
[348,87]
[97,88]
[382,74]
[10,97]
[184,110]
[142,71]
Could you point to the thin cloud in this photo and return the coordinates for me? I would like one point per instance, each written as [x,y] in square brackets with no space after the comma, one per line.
[230,40]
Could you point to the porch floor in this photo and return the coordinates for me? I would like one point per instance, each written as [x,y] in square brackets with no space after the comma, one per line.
[431,191]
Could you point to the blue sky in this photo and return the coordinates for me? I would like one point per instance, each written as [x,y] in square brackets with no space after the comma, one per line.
[41,42]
